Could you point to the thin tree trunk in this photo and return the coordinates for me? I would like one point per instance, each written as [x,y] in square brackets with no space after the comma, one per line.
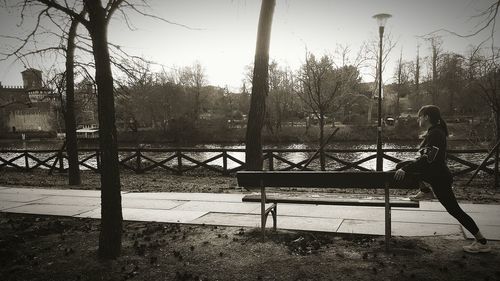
[321,141]
[370,108]
[111,210]
[69,118]
[197,104]
[417,81]
[260,88]
[497,125]
[434,73]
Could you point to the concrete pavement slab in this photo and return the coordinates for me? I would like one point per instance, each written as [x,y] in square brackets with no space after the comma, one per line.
[227,209]
[212,197]
[324,211]
[431,206]
[481,208]
[7,205]
[161,215]
[467,207]
[488,231]
[400,228]
[46,209]
[150,203]
[220,207]
[92,214]
[489,219]
[415,215]
[20,197]
[58,192]
[284,222]
[305,223]
[132,214]
[231,220]
[70,200]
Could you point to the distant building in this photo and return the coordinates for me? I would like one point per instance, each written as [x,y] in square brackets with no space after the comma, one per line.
[27,108]
[86,104]
[88,132]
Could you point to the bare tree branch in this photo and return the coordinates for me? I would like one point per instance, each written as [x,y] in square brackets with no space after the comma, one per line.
[134,8]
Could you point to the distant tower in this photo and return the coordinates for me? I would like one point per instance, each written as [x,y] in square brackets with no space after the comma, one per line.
[32,79]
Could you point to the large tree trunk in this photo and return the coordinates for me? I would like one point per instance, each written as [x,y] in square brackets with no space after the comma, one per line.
[69,118]
[260,88]
[111,209]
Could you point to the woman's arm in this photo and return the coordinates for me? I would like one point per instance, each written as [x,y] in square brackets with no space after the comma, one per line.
[434,143]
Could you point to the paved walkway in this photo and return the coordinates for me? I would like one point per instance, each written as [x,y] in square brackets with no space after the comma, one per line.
[227,209]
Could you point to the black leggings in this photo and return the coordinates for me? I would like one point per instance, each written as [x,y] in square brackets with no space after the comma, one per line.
[444,193]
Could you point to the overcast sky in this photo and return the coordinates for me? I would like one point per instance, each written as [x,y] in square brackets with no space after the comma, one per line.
[226,42]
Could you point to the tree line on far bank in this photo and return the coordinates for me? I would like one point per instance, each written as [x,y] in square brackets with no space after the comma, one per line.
[321,91]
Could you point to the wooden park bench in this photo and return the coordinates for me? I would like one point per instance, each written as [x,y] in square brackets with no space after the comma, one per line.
[259,180]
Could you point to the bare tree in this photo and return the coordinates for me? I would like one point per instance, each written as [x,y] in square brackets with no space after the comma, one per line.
[436,44]
[372,58]
[68,48]
[281,98]
[95,20]
[260,88]
[69,108]
[487,20]
[415,72]
[194,78]
[488,82]
[318,86]
[402,81]
[452,79]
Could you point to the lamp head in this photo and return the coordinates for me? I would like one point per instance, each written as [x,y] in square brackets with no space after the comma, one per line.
[382,19]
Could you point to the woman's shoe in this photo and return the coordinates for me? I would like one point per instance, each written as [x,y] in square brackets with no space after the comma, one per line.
[422,196]
[477,247]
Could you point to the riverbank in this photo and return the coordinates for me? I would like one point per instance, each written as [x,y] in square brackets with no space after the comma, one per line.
[402,131]
[476,135]
[481,190]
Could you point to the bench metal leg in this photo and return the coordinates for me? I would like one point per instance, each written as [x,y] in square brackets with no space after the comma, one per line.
[263,216]
[387,218]
[274,212]
[264,213]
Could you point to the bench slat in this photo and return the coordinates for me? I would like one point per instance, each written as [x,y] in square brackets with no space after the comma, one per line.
[324,179]
[332,201]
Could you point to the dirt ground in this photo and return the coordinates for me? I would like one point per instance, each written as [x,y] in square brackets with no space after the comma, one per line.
[481,189]
[58,248]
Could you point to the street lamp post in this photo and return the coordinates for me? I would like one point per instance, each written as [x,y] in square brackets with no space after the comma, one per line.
[381,20]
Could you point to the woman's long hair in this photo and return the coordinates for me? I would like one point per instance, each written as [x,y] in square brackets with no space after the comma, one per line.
[434,116]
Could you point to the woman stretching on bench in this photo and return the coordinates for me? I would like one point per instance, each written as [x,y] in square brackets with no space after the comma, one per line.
[432,166]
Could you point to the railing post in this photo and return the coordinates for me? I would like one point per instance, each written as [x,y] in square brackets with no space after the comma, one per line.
[138,164]
[224,163]
[26,161]
[61,162]
[263,210]
[270,159]
[387,217]
[98,161]
[179,162]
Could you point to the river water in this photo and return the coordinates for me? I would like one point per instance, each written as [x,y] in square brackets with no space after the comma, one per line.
[294,157]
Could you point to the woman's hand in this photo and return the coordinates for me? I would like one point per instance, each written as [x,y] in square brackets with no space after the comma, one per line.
[400,174]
